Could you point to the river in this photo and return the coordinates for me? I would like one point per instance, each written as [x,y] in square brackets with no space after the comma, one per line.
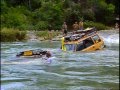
[98,70]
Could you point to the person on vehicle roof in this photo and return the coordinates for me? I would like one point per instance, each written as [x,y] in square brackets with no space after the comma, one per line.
[75,27]
[81,25]
[64,28]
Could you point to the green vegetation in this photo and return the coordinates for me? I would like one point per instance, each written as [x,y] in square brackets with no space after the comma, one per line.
[8,35]
[46,35]
[99,26]
[38,14]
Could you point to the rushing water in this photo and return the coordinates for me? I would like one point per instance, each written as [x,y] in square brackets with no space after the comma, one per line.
[98,70]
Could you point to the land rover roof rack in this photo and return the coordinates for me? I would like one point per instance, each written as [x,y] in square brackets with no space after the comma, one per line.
[80,33]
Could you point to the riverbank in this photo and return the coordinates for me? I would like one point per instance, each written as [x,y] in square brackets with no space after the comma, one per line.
[10,35]
[43,35]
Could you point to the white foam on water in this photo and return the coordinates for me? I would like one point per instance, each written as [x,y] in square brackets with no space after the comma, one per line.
[12,86]
[25,62]
[28,61]
[111,40]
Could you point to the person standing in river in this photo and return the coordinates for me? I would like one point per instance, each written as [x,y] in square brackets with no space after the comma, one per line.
[116,25]
[64,28]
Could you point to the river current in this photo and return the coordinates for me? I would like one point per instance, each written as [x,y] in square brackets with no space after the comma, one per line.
[97,70]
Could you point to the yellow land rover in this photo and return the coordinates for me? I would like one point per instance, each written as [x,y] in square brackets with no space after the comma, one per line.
[82,40]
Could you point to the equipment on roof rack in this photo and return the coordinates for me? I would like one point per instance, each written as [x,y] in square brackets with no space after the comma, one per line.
[80,33]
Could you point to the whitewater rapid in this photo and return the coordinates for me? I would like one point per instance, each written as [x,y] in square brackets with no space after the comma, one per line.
[110,37]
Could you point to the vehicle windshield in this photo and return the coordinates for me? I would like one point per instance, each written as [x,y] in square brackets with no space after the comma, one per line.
[70,47]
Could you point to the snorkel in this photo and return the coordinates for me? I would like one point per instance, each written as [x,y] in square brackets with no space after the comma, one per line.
[62,44]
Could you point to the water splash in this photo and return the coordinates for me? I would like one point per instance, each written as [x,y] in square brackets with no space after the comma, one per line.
[111,38]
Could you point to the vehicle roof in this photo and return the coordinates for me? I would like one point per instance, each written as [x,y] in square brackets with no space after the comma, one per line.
[80,35]
[76,41]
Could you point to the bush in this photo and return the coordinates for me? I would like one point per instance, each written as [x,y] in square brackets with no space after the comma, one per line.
[15,18]
[99,26]
[45,34]
[8,35]
[41,25]
[42,33]
[21,35]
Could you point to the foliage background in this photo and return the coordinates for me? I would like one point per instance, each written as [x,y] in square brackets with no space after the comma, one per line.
[38,14]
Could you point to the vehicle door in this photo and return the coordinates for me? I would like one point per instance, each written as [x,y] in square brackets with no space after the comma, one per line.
[80,46]
[99,44]
[89,44]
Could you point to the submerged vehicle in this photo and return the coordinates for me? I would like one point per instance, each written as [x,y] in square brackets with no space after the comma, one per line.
[34,53]
[82,40]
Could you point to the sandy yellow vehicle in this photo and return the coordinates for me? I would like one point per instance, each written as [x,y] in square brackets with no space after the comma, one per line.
[34,53]
[82,40]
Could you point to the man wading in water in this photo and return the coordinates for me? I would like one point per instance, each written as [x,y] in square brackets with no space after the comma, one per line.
[48,57]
